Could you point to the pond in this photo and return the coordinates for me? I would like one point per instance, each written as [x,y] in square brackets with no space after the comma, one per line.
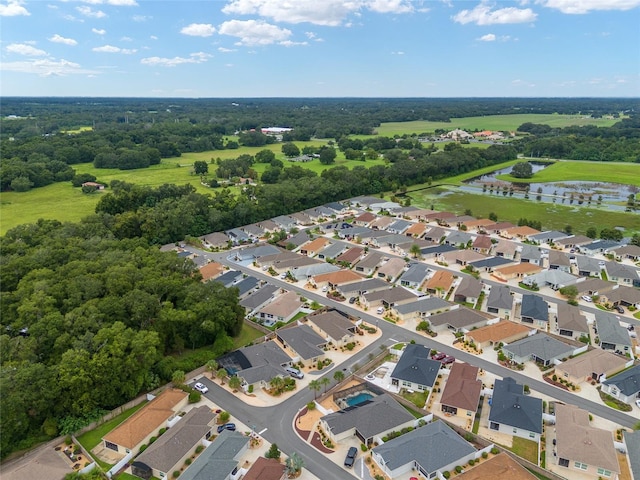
[570,193]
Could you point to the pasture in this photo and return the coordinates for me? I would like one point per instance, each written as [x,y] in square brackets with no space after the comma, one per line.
[491,122]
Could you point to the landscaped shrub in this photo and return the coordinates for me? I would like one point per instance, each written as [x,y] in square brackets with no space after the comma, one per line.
[250,388]
[176,473]
[187,462]
[485,455]
[363,447]
[68,440]
[446,474]
[472,462]
[161,431]
[311,406]
[195,397]
[152,439]
[199,448]
[458,469]
[143,447]
[224,417]
[495,451]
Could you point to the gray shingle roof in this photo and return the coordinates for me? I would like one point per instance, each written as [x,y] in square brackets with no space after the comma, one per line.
[416,273]
[461,317]
[266,360]
[632,440]
[415,366]
[333,324]
[303,340]
[229,277]
[469,287]
[259,297]
[424,305]
[218,460]
[530,252]
[432,446]
[379,415]
[510,406]
[541,345]
[332,251]
[368,285]
[390,296]
[500,297]
[534,307]
[628,382]
[490,262]
[246,285]
[610,330]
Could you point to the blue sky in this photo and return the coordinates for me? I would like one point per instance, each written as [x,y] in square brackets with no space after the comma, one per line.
[320,48]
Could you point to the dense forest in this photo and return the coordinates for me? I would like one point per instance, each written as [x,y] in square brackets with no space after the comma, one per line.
[88,321]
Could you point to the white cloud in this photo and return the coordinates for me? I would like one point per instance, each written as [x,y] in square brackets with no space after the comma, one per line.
[586,6]
[290,43]
[24,49]
[198,30]
[198,57]
[153,37]
[112,49]
[313,36]
[489,37]
[60,39]
[13,9]
[390,6]
[99,31]
[46,67]
[89,12]
[397,53]
[252,32]
[117,3]
[226,50]
[324,12]
[483,15]
[522,83]
[141,18]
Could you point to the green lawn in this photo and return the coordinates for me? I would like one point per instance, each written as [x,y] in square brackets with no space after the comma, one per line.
[490,122]
[570,170]
[527,449]
[417,398]
[93,437]
[247,335]
[553,216]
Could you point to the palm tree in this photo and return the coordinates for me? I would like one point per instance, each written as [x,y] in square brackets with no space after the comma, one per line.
[178,378]
[338,376]
[221,374]
[211,366]
[315,386]
[415,250]
[234,382]
[324,381]
[276,384]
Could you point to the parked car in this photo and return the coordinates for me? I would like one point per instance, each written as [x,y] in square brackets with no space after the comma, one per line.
[380,310]
[202,388]
[352,300]
[227,426]
[438,356]
[586,298]
[631,328]
[638,402]
[619,309]
[294,372]
[350,459]
[447,360]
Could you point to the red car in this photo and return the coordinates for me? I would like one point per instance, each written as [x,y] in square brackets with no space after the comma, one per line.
[447,360]
[438,356]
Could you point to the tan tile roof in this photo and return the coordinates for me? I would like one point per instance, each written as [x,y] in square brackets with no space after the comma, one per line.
[501,466]
[462,389]
[480,222]
[416,229]
[148,419]
[522,231]
[284,305]
[338,278]
[383,222]
[523,268]
[578,441]
[498,331]
[593,361]
[211,270]
[441,279]
[393,267]
[315,245]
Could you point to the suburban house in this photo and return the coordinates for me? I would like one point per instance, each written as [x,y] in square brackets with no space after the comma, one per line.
[302,218]
[458,239]
[478,223]
[387,298]
[215,240]
[211,270]
[333,326]
[220,460]
[498,467]
[625,296]
[381,223]
[581,447]
[416,230]
[399,226]
[265,469]
[594,364]
[500,301]
[333,280]
[623,274]
[364,219]
[368,264]
[414,276]
[306,345]
[612,335]
[337,207]
[548,237]
[530,254]
[624,386]
[462,391]
[254,231]
[588,267]
[632,442]
[540,348]
[254,252]
[366,421]
[168,453]
[459,319]
[312,248]
[391,269]
[282,309]
[517,271]
[559,261]
[237,236]
[534,311]
[421,308]
[496,333]
[598,246]
[310,269]
[505,249]
[350,257]
[628,252]
[554,279]
[331,251]
[440,283]
[415,369]
[285,222]
[145,423]
[513,412]
[522,232]
[356,289]
[573,241]
[229,278]
[593,286]
[259,298]
[461,257]
[482,244]
[570,322]
[435,234]
[436,250]
[468,291]
[246,286]
[430,450]
[256,364]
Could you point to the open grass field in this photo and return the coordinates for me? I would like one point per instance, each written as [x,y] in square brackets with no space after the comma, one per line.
[569,170]
[490,122]
[552,216]
[85,128]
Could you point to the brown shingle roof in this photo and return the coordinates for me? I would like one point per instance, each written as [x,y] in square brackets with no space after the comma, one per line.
[498,331]
[338,278]
[265,469]
[441,279]
[350,255]
[315,245]
[499,467]
[522,268]
[463,387]
[416,229]
[149,418]
[211,270]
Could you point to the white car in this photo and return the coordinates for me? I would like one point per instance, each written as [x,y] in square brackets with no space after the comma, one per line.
[380,310]
[201,387]
[638,402]
[586,298]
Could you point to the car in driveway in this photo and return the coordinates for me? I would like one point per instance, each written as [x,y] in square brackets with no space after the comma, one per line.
[294,372]
[638,402]
[447,360]
[587,298]
[227,426]
[352,300]
[201,387]
[619,309]
[350,459]
[438,356]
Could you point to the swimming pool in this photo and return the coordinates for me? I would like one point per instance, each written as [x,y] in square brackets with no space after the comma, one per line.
[358,399]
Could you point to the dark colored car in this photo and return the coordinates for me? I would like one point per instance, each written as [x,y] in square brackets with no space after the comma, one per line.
[447,360]
[619,309]
[352,300]
[350,459]
[227,426]
[439,356]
